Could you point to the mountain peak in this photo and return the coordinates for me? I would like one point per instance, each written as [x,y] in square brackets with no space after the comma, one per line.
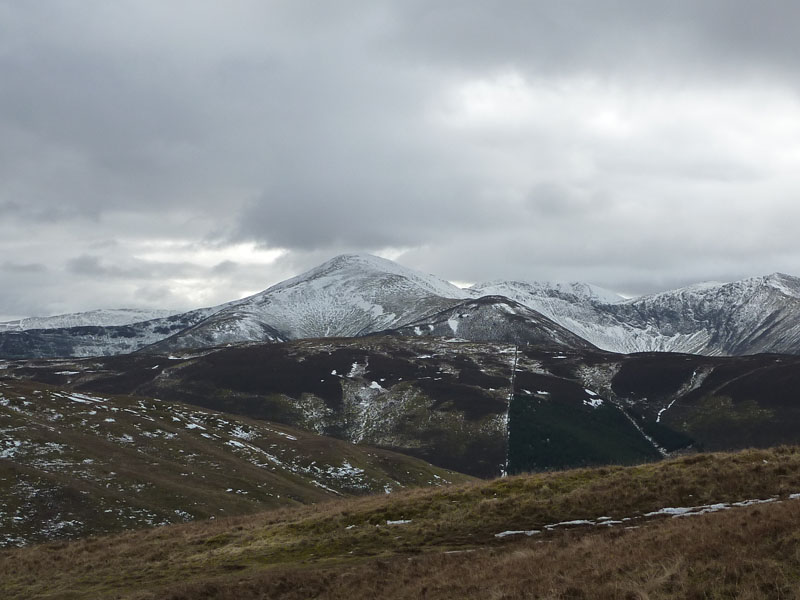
[785,284]
[781,277]
[354,268]
[349,295]
[359,258]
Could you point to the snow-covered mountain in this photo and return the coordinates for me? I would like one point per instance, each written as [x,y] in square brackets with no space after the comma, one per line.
[759,314]
[578,307]
[350,295]
[754,315]
[590,312]
[496,319]
[356,294]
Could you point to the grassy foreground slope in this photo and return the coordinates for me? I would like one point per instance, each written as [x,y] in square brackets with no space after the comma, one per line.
[703,526]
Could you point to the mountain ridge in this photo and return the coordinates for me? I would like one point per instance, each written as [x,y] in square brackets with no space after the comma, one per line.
[352,295]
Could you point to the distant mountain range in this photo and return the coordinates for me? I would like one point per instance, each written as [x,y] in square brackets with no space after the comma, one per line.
[356,295]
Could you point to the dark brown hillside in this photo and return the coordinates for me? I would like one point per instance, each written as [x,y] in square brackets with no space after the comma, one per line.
[447,401]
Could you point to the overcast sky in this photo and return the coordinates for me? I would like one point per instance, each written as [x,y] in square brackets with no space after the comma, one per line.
[185,153]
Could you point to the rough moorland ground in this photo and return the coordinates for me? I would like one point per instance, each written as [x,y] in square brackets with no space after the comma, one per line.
[703,526]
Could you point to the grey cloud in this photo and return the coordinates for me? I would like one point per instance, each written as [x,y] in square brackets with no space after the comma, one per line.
[611,37]
[550,199]
[106,245]
[131,269]
[23,268]
[92,266]
[158,295]
[362,213]
[9,207]
[226,267]
[584,248]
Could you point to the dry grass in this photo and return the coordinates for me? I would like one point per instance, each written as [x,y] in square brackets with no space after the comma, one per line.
[743,554]
[347,549]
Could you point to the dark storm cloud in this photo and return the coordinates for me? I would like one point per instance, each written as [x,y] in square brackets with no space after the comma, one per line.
[633,143]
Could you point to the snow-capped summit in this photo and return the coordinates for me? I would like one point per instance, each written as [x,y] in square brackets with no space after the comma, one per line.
[785,284]
[349,295]
[356,268]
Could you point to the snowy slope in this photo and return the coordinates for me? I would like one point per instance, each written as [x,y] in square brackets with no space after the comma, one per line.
[496,319]
[93,318]
[95,340]
[546,292]
[350,295]
[578,307]
[759,314]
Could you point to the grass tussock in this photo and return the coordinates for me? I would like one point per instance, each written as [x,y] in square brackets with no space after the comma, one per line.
[745,554]
[448,546]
